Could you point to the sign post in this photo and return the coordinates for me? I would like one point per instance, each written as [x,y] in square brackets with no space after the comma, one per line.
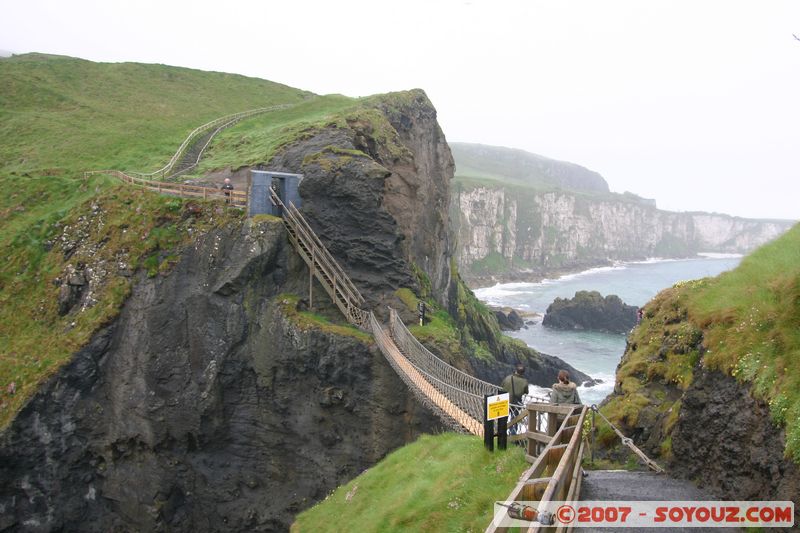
[495,407]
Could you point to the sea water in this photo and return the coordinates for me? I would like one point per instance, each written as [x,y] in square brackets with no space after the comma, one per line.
[596,354]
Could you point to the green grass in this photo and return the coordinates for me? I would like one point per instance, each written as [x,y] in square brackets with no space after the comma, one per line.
[446,482]
[309,320]
[750,319]
[743,323]
[112,224]
[255,140]
[493,263]
[60,116]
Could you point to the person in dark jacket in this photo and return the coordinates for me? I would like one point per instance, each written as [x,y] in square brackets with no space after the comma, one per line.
[565,391]
[516,384]
[226,189]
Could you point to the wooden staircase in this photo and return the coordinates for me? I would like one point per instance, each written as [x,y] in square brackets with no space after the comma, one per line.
[322,265]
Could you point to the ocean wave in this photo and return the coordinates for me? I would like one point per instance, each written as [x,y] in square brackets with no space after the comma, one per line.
[589,272]
[499,291]
[589,395]
[717,255]
[654,260]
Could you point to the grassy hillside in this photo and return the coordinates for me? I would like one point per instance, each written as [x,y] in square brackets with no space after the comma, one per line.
[447,482]
[743,323]
[510,165]
[60,116]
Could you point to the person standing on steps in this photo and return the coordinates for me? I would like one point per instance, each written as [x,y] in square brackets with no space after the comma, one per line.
[565,391]
[516,384]
[226,189]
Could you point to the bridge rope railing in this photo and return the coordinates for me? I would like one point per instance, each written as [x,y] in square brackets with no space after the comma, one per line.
[455,396]
[474,389]
[431,391]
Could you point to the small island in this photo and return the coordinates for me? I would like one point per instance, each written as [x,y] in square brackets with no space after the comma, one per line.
[590,311]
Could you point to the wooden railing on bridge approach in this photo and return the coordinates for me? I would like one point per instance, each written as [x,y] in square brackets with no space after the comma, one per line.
[555,446]
[233,198]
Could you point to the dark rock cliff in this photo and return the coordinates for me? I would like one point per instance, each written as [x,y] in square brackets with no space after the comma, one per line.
[726,441]
[589,310]
[701,424]
[209,404]
[376,190]
[204,407]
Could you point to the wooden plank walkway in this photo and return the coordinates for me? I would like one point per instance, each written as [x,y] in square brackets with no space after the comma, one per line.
[437,398]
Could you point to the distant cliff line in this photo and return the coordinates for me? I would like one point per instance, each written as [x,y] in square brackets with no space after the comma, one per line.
[508,232]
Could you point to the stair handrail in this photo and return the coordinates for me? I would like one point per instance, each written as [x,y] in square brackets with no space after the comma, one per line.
[300,225]
[326,257]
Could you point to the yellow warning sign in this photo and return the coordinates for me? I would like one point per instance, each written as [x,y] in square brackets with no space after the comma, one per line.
[497,406]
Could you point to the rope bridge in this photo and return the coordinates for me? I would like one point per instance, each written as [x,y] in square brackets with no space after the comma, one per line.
[455,396]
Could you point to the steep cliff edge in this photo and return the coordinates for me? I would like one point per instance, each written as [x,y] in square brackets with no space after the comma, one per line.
[205,405]
[211,402]
[708,383]
[507,231]
[376,188]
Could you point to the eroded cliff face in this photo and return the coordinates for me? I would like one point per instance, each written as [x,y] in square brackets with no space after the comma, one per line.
[726,441]
[380,198]
[699,423]
[209,404]
[204,406]
[376,189]
[507,232]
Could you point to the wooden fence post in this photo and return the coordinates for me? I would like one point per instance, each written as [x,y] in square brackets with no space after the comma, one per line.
[488,425]
[502,433]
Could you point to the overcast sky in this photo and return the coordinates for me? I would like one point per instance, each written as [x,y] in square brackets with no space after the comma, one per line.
[691,102]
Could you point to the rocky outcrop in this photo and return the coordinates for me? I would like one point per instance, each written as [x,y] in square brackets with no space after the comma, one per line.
[379,199]
[204,406]
[508,319]
[725,440]
[376,189]
[209,403]
[698,422]
[589,310]
[515,233]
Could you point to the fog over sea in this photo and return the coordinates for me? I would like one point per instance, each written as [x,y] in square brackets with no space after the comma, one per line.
[597,354]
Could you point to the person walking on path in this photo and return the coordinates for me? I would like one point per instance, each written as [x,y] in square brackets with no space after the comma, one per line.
[565,391]
[226,189]
[516,384]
